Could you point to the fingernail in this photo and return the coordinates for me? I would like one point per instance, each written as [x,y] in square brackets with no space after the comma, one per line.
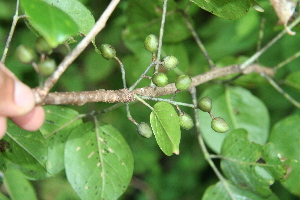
[23,96]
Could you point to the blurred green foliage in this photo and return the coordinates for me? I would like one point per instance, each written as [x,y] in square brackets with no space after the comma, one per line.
[157,176]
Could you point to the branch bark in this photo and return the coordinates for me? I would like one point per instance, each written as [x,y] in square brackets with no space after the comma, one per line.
[125,96]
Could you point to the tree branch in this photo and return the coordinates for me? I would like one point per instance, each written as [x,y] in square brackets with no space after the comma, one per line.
[125,96]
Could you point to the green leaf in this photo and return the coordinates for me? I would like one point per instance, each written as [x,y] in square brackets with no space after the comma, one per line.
[286,136]
[293,80]
[240,163]
[217,192]
[165,125]
[76,11]
[28,149]
[52,23]
[228,9]
[18,187]
[240,109]
[58,124]
[98,162]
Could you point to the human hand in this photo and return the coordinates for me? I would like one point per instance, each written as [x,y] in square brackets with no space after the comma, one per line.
[17,103]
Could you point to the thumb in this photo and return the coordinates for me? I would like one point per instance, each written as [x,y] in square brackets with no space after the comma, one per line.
[16,98]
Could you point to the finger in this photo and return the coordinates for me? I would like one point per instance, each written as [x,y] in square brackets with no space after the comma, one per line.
[31,121]
[15,97]
[3,126]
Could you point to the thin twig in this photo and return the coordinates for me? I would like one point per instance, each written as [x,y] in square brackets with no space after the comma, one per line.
[100,24]
[279,89]
[198,41]
[167,100]
[161,34]
[204,149]
[290,59]
[267,46]
[122,71]
[12,30]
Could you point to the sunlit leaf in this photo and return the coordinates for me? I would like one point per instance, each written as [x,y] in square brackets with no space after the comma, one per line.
[52,23]
[18,187]
[228,9]
[28,149]
[286,138]
[78,12]
[218,191]
[98,162]
[165,125]
[240,109]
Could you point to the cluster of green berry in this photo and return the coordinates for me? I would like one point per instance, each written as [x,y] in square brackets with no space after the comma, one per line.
[160,79]
[46,66]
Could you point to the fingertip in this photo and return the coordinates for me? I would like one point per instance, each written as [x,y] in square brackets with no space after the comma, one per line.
[3,126]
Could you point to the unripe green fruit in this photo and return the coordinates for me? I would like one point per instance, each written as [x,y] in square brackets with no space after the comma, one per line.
[144,130]
[25,54]
[107,51]
[151,43]
[169,62]
[46,67]
[219,125]
[42,46]
[160,79]
[186,121]
[205,104]
[183,82]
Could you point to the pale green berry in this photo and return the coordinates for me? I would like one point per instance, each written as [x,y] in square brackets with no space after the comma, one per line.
[107,51]
[42,46]
[25,54]
[219,125]
[205,104]
[183,82]
[151,43]
[144,130]
[46,67]
[160,79]
[169,62]
[186,121]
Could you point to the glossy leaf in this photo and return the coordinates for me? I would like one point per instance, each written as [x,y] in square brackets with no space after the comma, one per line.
[217,191]
[286,136]
[78,12]
[28,149]
[50,22]
[18,187]
[98,162]
[240,109]
[241,164]
[229,9]
[165,125]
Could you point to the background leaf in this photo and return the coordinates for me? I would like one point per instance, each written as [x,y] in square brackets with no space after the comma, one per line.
[240,109]
[228,9]
[286,132]
[98,163]
[18,187]
[28,149]
[52,23]
[165,125]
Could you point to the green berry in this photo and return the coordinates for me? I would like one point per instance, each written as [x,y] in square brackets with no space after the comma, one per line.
[107,51]
[151,43]
[144,130]
[205,104]
[160,79]
[46,67]
[183,82]
[42,46]
[25,54]
[169,62]
[186,121]
[219,125]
